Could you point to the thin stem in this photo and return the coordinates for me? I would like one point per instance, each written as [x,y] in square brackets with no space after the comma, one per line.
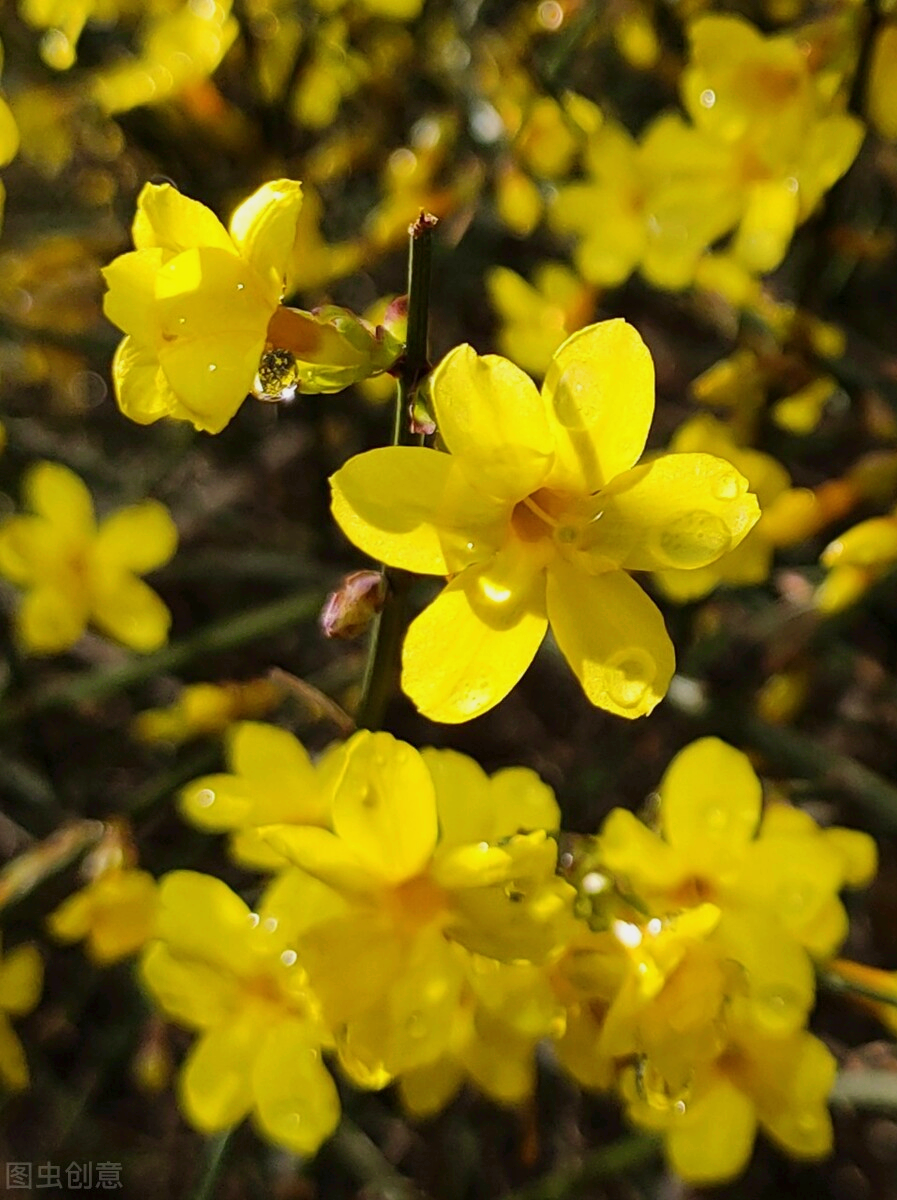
[848,987]
[386,635]
[367,1162]
[213,1162]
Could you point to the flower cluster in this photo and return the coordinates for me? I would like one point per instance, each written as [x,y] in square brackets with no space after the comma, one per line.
[767,137]
[680,972]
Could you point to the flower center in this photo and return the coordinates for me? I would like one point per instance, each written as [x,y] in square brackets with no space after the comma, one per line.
[417,902]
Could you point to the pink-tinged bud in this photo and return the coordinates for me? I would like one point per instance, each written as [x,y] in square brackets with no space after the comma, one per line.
[349,610]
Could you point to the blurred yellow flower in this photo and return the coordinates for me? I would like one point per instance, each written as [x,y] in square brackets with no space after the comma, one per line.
[204,708]
[539,514]
[75,571]
[115,913]
[716,843]
[195,301]
[272,780]
[427,860]
[881,99]
[21,979]
[536,318]
[854,561]
[233,976]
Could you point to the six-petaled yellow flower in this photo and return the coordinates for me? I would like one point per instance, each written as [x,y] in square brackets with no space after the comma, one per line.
[195,301]
[538,514]
[76,570]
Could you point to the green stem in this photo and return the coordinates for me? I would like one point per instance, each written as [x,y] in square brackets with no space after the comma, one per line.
[386,635]
[834,983]
[617,1158]
[213,1162]
[227,634]
[366,1161]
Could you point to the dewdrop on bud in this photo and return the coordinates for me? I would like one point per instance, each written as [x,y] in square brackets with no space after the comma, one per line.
[349,610]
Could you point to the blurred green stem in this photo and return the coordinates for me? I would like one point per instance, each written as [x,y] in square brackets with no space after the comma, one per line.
[618,1158]
[213,1161]
[367,1162]
[386,635]
[238,630]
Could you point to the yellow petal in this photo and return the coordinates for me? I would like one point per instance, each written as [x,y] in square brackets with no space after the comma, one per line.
[196,994]
[361,946]
[415,508]
[21,979]
[130,301]
[681,511]
[53,491]
[767,226]
[71,920]
[520,801]
[138,538]
[263,229]
[171,221]
[9,134]
[216,803]
[201,918]
[384,807]
[636,854]
[49,621]
[712,1141]
[124,914]
[269,757]
[142,392]
[296,1102]
[710,799]
[215,1085]
[13,1064]
[131,612]
[322,854]
[778,983]
[461,788]
[491,417]
[465,652]
[427,1090]
[600,389]
[613,636]
[500,1061]
[790,1082]
[858,852]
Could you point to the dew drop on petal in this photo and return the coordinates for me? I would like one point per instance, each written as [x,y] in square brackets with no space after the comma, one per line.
[659,1092]
[708,98]
[269,924]
[416,1026]
[630,673]
[693,539]
[575,397]
[253,919]
[727,486]
[205,798]
[779,1010]
[289,958]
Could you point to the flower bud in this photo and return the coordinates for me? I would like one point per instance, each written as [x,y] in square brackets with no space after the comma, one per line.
[349,610]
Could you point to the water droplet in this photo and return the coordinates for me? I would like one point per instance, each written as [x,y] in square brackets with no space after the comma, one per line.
[470,546]
[627,934]
[708,98]
[289,958]
[693,539]
[240,287]
[630,674]
[796,898]
[57,50]
[575,399]
[367,797]
[594,883]
[779,1010]
[253,920]
[278,376]
[655,925]
[660,1093]
[213,367]
[716,817]
[269,924]
[182,320]
[416,1026]
[205,798]
[726,486]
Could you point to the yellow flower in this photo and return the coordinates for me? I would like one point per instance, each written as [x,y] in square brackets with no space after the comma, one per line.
[195,301]
[76,571]
[178,46]
[854,561]
[272,780]
[233,976]
[426,861]
[789,139]
[539,513]
[204,708]
[536,318]
[21,979]
[717,844]
[704,1035]
[115,913]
